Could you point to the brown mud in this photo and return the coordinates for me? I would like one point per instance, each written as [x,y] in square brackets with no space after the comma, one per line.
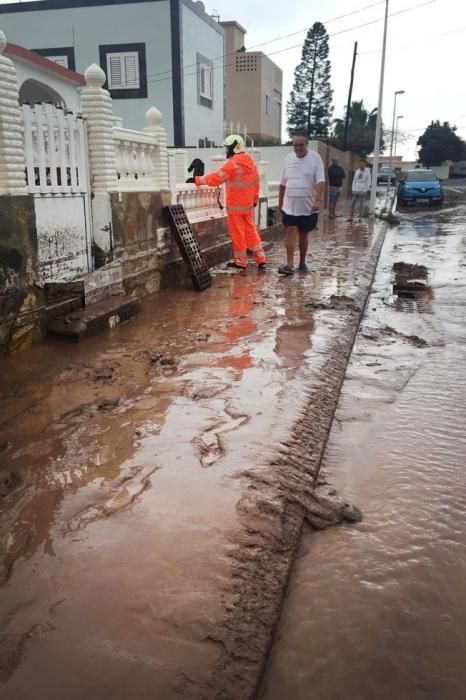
[155,481]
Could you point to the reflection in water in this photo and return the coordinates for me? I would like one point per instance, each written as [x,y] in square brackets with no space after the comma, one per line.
[378,611]
[114,543]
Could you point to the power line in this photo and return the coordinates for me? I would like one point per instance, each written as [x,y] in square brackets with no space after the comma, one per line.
[423,128]
[289,48]
[411,44]
[278,38]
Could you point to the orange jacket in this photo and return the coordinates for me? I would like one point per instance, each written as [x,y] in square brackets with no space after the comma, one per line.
[240,176]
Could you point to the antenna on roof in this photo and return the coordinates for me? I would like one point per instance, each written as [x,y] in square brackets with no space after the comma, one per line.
[215,14]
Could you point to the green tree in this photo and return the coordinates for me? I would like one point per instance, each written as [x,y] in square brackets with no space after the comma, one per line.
[439,143]
[361,133]
[310,105]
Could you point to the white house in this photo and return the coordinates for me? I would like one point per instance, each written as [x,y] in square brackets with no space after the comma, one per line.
[43,80]
[164,52]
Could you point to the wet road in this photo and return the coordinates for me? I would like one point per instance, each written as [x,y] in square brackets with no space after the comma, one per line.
[123,477]
[379,610]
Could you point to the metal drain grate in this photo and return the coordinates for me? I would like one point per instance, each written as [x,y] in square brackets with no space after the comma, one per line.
[189,247]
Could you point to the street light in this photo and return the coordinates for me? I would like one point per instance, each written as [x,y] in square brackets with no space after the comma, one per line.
[397,92]
[375,165]
[400,116]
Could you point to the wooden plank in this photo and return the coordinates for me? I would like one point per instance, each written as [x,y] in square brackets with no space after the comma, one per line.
[50,112]
[41,154]
[28,118]
[71,124]
[62,152]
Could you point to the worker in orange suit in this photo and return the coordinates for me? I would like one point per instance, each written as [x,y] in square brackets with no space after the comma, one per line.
[240,176]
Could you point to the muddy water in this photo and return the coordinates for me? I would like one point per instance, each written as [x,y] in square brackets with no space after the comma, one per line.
[119,460]
[378,610]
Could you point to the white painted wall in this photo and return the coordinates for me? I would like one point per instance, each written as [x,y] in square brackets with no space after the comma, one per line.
[199,37]
[274,155]
[107,24]
[27,71]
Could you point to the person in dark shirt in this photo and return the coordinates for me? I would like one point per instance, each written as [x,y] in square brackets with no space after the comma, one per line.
[336,175]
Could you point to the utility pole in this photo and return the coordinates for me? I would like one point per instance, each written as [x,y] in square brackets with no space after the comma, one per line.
[398,92]
[375,165]
[350,95]
[400,116]
[311,92]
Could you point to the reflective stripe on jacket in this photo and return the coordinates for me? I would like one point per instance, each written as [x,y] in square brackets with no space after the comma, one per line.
[240,176]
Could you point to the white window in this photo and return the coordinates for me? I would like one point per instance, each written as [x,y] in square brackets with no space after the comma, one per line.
[60,60]
[205,80]
[123,70]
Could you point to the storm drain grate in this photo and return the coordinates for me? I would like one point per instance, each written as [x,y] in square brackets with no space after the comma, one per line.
[189,247]
[410,287]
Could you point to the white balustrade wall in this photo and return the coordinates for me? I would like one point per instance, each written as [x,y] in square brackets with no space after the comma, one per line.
[135,160]
[201,203]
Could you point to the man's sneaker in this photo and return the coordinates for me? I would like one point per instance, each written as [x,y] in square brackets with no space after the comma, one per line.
[285,270]
[303,268]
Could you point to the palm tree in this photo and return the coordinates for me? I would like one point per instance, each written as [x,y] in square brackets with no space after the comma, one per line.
[361,134]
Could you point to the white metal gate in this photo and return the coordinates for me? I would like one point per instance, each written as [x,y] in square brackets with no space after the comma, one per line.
[58,176]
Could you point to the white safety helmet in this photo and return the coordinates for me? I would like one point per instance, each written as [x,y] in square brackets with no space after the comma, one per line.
[234,144]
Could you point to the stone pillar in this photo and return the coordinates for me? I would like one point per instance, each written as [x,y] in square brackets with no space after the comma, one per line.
[153,126]
[96,108]
[12,162]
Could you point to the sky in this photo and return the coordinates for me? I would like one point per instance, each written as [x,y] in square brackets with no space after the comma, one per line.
[425,53]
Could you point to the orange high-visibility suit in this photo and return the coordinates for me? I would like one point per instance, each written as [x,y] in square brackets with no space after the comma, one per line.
[241,179]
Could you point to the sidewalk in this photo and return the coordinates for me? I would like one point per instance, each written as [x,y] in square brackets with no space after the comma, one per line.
[157,478]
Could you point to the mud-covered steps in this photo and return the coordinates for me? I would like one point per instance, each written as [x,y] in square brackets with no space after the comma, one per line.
[94,319]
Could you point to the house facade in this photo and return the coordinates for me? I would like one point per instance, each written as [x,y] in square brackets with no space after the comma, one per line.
[164,52]
[253,88]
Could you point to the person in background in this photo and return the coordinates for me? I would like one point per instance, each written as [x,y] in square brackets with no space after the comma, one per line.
[241,179]
[362,182]
[301,187]
[336,175]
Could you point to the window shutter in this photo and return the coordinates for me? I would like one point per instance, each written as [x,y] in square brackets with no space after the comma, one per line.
[132,71]
[115,72]
[202,80]
[59,60]
[205,81]
[123,70]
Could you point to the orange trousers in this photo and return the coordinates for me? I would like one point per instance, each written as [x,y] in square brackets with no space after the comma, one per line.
[244,235]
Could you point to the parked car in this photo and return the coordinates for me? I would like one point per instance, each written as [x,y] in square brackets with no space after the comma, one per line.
[420,187]
[384,173]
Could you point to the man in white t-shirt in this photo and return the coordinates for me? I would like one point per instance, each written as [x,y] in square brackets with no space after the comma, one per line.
[361,187]
[301,188]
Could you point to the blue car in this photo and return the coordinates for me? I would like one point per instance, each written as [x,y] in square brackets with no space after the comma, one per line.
[420,187]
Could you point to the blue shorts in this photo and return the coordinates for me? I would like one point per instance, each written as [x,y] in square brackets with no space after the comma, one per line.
[304,223]
[333,194]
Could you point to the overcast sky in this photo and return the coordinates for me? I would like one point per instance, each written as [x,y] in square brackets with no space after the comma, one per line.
[425,53]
